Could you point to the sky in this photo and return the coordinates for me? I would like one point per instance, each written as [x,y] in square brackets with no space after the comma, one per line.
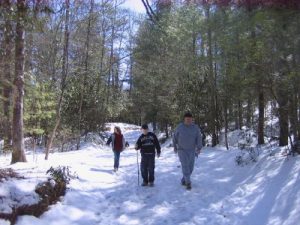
[135,5]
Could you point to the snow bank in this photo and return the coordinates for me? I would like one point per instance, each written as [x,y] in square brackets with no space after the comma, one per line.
[240,137]
[15,193]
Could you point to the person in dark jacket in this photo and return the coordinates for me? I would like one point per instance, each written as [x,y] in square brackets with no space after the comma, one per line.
[117,141]
[147,143]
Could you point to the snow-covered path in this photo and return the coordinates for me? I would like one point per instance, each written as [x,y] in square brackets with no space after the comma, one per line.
[223,194]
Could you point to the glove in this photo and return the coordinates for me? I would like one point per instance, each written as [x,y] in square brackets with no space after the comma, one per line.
[136,147]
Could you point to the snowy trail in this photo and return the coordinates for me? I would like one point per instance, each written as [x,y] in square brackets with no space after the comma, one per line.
[267,192]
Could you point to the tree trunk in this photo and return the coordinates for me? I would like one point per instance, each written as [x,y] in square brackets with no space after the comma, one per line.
[216,105]
[240,114]
[283,117]
[103,52]
[167,130]
[18,154]
[83,84]
[7,81]
[236,117]
[154,125]
[293,115]
[226,123]
[284,125]
[249,112]
[111,77]
[254,67]
[261,116]
[63,79]
[211,78]
[297,106]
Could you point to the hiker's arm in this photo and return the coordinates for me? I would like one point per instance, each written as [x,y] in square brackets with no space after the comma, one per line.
[109,140]
[138,144]
[123,142]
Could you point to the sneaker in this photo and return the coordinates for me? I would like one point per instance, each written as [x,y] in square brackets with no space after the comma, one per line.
[144,184]
[151,184]
[188,186]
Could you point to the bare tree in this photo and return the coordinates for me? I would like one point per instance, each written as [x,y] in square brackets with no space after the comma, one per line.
[63,79]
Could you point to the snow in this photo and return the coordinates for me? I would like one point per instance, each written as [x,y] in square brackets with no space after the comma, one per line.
[266,192]
[240,137]
[19,193]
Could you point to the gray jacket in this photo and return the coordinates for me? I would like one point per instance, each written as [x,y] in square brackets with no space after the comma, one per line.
[187,138]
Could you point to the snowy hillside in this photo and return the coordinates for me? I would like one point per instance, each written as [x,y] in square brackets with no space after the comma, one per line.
[262,193]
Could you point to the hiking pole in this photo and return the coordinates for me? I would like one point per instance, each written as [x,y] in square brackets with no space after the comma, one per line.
[138,166]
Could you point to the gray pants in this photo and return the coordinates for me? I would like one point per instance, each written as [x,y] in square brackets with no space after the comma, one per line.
[187,159]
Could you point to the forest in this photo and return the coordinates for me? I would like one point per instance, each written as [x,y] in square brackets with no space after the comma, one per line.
[67,67]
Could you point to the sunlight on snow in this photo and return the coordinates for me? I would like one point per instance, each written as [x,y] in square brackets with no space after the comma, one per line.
[131,206]
[126,220]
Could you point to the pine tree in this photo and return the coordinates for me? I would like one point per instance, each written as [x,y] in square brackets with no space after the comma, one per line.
[18,154]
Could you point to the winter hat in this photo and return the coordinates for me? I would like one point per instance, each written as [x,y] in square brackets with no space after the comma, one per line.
[145,127]
[188,114]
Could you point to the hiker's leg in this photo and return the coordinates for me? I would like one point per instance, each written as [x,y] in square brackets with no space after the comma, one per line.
[191,162]
[117,159]
[151,167]
[144,170]
[184,160]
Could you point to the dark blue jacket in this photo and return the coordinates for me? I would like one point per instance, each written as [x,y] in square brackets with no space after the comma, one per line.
[148,143]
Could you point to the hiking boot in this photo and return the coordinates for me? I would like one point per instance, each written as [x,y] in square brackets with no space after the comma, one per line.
[144,184]
[183,182]
[115,169]
[151,184]
[188,186]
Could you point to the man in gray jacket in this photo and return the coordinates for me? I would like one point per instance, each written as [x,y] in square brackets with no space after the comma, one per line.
[187,143]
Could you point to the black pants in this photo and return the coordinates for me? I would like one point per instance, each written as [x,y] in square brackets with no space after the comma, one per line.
[147,167]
